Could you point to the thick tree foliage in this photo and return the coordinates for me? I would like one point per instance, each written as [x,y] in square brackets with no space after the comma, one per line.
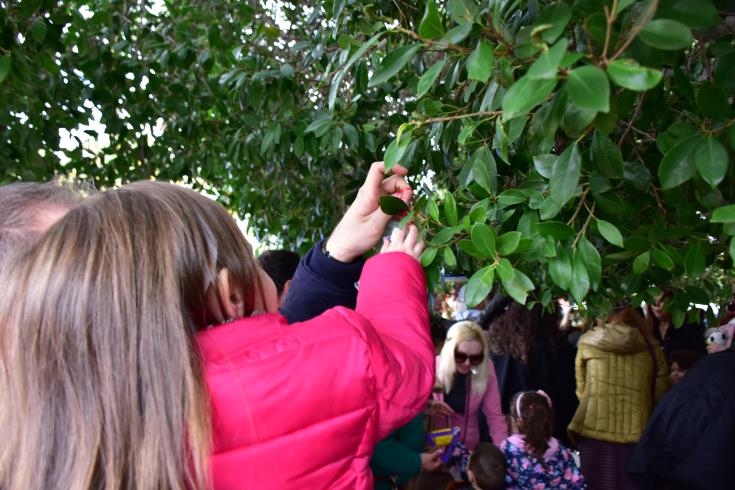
[579,149]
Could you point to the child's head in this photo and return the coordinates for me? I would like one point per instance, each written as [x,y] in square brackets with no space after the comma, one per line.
[680,362]
[101,379]
[486,469]
[531,416]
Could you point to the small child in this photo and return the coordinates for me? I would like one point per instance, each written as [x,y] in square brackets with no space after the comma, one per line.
[486,469]
[536,459]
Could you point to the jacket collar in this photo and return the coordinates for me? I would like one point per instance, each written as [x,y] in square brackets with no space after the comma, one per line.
[218,343]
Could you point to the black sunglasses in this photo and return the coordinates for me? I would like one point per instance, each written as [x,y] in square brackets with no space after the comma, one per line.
[461,358]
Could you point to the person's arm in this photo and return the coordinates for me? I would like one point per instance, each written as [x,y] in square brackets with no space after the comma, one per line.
[393,297]
[394,457]
[662,376]
[320,283]
[491,408]
[327,274]
[580,372]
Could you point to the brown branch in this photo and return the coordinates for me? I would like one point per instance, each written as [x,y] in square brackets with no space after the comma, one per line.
[610,18]
[636,113]
[431,42]
[634,32]
[459,116]
[579,206]
[584,227]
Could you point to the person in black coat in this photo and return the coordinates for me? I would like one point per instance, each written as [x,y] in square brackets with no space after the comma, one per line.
[690,440]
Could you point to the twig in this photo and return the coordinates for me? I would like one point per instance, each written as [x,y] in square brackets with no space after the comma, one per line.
[431,42]
[579,206]
[610,17]
[458,116]
[634,32]
[584,227]
[636,113]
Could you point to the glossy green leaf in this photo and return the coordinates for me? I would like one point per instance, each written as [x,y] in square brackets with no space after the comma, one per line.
[334,89]
[450,209]
[558,16]
[640,263]
[524,95]
[38,30]
[445,234]
[580,284]
[428,256]
[666,34]
[629,74]
[518,286]
[712,160]
[565,175]
[4,67]
[610,232]
[395,151]
[555,229]
[427,80]
[695,259]
[483,238]
[592,261]
[544,164]
[480,62]
[546,66]
[393,63]
[732,249]
[560,268]
[432,210]
[450,260]
[484,170]
[606,156]
[479,286]
[589,88]
[712,101]
[431,25]
[508,242]
[724,214]
[677,165]
[662,259]
[392,205]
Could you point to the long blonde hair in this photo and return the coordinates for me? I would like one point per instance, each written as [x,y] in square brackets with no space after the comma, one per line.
[101,380]
[446,367]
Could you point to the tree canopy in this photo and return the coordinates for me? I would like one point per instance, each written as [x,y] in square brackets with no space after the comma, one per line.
[580,149]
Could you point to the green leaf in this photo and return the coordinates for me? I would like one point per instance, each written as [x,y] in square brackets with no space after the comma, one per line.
[580,285]
[480,62]
[462,11]
[724,214]
[449,258]
[392,205]
[662,259]
[479,286]
[459,33]
[565,175]
[544,164]
[592,261]
[4,67]
[555,229]
[426,81]
[712,101]
[393,63]
[334,89]
[694,259]
[450,209]
[38,30]
[485,170]
[558,16]
[546,66]
[352,136]
[508,242]
[667,34]
[517,285]
[606,156]
[445,234]
[524,95]
[396,149]
[428,256]
[560,268]
[483,238]
[511,197]
[697,14]
[433,210]
[640,263]
[677,166]
[711,160]
[610,232]
[431,24]
[732,249]
[589,89]
[320,126]
[629,74]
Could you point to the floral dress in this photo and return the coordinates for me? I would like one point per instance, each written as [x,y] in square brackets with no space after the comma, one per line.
[556,469]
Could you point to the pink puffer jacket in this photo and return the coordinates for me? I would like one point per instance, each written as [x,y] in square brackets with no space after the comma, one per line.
[302,406]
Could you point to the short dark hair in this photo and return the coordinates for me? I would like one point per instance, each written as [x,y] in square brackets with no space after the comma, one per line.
[280,265]
[685,359]
[488,465]
[21,204]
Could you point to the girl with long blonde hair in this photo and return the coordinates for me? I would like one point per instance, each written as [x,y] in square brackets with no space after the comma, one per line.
[142,348]
[466,384]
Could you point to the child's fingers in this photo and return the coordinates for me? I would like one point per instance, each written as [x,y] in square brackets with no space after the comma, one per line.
[398,236]
[411,237]
[386,245]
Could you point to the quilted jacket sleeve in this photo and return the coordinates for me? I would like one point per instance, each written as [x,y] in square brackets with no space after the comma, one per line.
[662,376]
[392,296]
[580,371]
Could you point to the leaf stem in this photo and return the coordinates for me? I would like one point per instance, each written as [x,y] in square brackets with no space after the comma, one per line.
[579,206]
[610,17]
[637,29]
[584,227]
[442,44]
[458,116]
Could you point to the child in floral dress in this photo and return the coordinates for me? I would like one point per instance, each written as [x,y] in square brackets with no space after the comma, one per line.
[536,460]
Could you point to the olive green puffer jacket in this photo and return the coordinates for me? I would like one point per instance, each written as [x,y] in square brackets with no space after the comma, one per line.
[614,379]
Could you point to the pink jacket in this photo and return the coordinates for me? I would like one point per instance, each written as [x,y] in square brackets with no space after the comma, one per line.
[489,402]
[302,406]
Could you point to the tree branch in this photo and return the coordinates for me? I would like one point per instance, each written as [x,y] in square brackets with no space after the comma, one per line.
[634,32]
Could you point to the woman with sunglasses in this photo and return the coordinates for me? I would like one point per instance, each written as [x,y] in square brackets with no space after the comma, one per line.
[466,384]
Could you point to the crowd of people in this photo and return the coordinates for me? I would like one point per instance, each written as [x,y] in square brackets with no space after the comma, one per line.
[145,346]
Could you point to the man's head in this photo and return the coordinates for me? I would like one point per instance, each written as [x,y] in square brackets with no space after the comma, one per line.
[28,209]
[486,469]
[280,265]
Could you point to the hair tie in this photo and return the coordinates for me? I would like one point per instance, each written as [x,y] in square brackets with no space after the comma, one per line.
[518,404]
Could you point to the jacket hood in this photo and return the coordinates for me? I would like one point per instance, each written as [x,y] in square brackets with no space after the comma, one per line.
[615,338]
